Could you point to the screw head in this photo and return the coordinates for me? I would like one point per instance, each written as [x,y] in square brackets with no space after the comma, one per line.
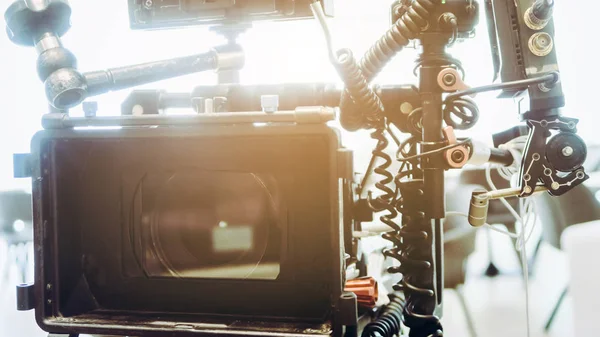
[567,151]
[449,79]
[457,156]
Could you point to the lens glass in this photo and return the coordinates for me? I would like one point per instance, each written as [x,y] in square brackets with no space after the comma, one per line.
[211,224]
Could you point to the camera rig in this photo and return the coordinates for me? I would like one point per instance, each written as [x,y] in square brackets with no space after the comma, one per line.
[343,301]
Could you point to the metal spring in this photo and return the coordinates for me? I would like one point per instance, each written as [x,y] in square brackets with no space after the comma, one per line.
[389,322]
[408,27]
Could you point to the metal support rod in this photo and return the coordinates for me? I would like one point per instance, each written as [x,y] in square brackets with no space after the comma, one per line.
[99,82]
[433,170]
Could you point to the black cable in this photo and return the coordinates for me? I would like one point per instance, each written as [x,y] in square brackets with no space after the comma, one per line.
[550,79]
[429,153]
[465,109]
[408,27]
[461,111]
[368,173]
[392,134]
[371,165]
[389,322]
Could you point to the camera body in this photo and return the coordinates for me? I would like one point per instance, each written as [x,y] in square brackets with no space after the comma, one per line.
[145,14]
[137,231]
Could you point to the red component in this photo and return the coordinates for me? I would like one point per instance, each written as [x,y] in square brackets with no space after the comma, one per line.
[365,289]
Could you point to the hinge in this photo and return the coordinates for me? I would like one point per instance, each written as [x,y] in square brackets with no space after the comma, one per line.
[345,163]
[25,297]
[22,165]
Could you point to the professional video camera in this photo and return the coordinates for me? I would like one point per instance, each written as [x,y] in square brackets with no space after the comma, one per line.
[241,217]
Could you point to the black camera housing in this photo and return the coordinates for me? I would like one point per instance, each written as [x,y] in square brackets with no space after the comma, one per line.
[83,180]
[179,13]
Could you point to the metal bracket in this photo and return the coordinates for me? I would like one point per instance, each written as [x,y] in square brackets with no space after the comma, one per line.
[25,297]
[22,167]
[345,162]
[346,310]
[301,115]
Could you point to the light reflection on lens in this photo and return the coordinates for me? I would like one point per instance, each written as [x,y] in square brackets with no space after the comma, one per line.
[214,225]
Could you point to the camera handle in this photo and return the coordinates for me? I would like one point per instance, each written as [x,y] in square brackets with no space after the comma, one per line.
[42,23]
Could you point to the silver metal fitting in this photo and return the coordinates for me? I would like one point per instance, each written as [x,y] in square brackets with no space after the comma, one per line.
[567,151]
[478,209]
[46,42]
[229,58]
[533,22]
[541,44]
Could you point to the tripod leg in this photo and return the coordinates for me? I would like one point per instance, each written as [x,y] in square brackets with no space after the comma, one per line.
[466,311]
[561,299]
[491,270]
[536,252]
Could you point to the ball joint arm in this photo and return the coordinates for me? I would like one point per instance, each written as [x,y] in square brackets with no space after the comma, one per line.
[99,82]
[41,24]
[66,87]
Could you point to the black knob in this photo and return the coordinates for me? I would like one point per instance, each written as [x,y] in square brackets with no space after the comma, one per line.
[28,20]
[567,152]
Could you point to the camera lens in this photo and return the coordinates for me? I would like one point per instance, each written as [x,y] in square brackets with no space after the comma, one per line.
[207,224]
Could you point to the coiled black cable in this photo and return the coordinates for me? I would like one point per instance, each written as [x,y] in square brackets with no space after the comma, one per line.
[385,201]
[408,27]
[416,269]
[358,89]
[443,59]
[464,109]
[389,322]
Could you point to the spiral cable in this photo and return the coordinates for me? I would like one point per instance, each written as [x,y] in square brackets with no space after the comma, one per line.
[385,201]
[408,27]
[439,59]
[414,265]
[389,322]
[358,88]
[464,109]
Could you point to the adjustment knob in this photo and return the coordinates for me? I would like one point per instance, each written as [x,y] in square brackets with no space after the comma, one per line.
[567,152]
[28,20]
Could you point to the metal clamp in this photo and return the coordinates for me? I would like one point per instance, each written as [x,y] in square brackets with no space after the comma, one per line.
[458,156]
[450,80]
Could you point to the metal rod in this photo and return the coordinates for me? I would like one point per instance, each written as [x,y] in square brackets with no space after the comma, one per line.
[99,82]
[302,115]
[512,192]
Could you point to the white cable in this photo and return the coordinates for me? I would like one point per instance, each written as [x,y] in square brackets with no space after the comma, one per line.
[527,210]
[494,228]
[525,266]
[488,177]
